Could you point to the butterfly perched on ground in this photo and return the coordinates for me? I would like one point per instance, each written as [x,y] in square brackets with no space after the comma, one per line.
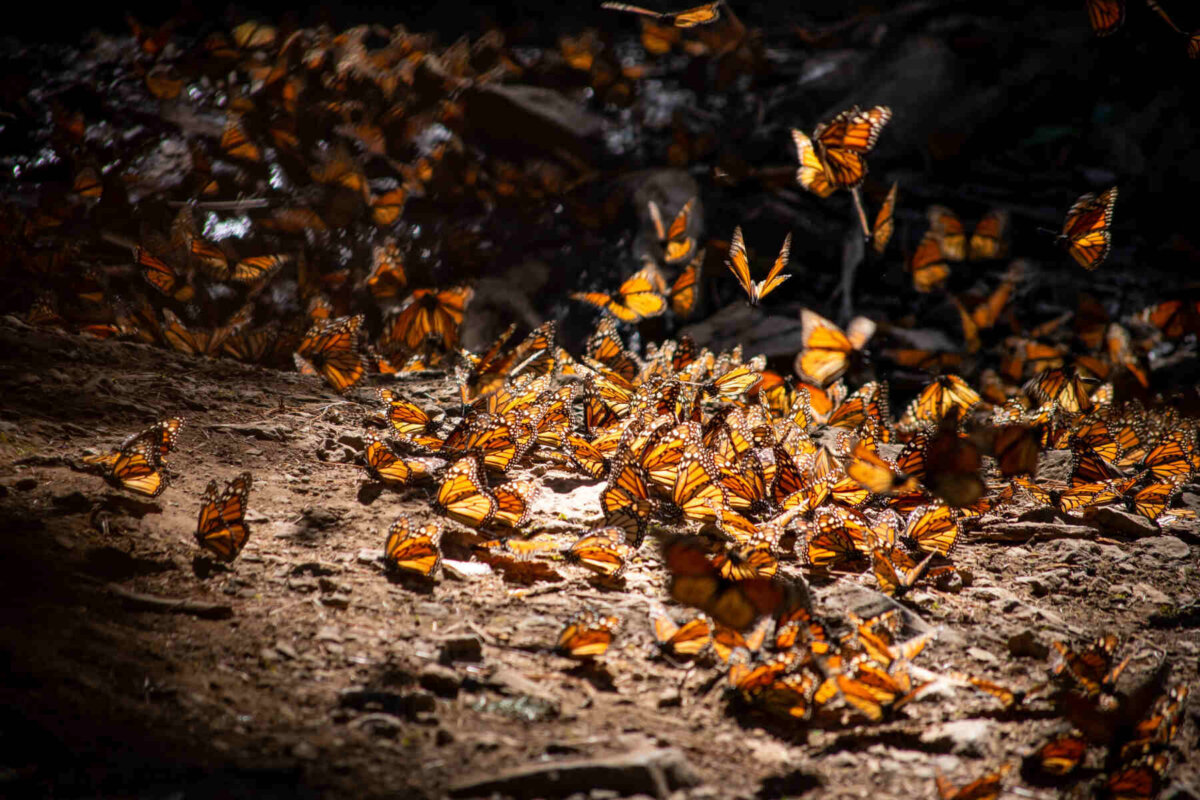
[404,415]
[1140,779]
[688,18]
[426,313]
[677,245]
[1085,232]
[221,528]
[828,351]
[194,341]
[587,635]
[696,582]
[843,141]
[331,347]
[463,496]
[739,265]
[636,300]
[384,465]
[137,465]
[986,242]
[682,641]
[603,551]
[413,549]
[1060,756]
[985,788]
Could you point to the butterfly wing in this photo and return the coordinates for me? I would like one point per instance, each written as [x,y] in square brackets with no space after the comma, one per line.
[1086,229]
[811,173]
[885,222]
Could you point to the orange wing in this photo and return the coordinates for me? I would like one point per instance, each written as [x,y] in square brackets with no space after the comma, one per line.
[842,142]
[685,290]
[885,222]
[332,347]
[413,550]
[1086,229]
[221,528]
[811,174]
[948,229]
[928,264]
[1105,15]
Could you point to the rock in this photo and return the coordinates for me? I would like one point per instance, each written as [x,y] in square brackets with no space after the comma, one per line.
[379,724]
[1024,531]
[1026,645]
[1042,514]
[531,118]
[1111,520]
[329,633]
[961,737]
[1073,551]
[571,502]
[306,751]
[257,430]
[670,698]
[369,557]
[460,648]
[1037,586]
[980,654]
[26,484]
[440,680]
[404,705]
[443,737]
[338,601]
[655,772]
[73,503]
[1145,593]
[1166,548]
[465,570]
[354,441]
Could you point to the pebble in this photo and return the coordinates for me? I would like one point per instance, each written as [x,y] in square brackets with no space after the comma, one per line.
[442,681]
[26,484]
[306,751]
[460,648]
[979,654]
[1111,520]
[964,737]
[1146,593]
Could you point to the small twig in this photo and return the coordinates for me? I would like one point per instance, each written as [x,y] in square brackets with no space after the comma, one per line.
[222,205]
[856,193]
[150,602]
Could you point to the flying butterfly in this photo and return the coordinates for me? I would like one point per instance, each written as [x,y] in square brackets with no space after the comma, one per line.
[928,264]
[413,549]
[427,313]
[688,18]
[843,141]
[739,265]
[331,348]
[677,244]
[811,173]
[222,528]
[685,292]
[136,466]
[587,635]
[163,277]
[1085,232]
[1092,668]
[828,351]
[885,222]
[1140,779]
[1105,15]
[635,300]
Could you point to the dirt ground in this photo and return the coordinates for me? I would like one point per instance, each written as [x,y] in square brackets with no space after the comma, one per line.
[321,675]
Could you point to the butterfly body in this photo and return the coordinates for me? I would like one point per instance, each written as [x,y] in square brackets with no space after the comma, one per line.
[222,528]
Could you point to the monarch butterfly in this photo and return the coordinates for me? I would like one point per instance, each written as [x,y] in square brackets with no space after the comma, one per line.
[1172,459]
[236,143]
[828,351]
[829,540]
[985,788]
[463,496]
[750,679]
[163,277]
[751,559]
[1140,780]
[896,578]
[387,207]
[928,265]
[193,342]
[248,270]
[331,348]
[843,141]
[603,551]
[1087,467]
[587,456]
[694,492]
[1016,448]
[387,276]
[1105,15]
[512,503]
[384,465]
[790,696]
[636,299]
[875,474]
[868,406]
[221,527]
[947,231]
[885,222]
[427,312]
[739,264]
[1173,318]
[1065,387]
[252,346]
[934,529]
[136,466]
[587,635]
[605,345]
[987,240]
[626,499]
[734,604]
[685,291]
[725,640]
[677,245]
[944,395]
[811,174]
[1008,697]
[1085,232]
[734,383]
[162,437]
[952,466]
[412,549]
[1159,727]
[1060,756]
[403,415]
[683,641]
[798,623]
[1091,669]
[688,18]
